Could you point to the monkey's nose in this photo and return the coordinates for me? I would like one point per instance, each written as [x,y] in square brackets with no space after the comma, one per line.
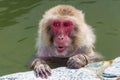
[60,38]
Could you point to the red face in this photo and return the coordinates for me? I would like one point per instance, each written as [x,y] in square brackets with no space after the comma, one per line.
[61,30]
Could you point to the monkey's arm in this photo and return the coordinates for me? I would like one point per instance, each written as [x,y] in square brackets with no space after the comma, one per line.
[41,68]
[84,56]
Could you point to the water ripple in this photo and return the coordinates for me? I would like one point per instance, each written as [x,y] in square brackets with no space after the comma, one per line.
[88,2]
[12,9]
[22,39]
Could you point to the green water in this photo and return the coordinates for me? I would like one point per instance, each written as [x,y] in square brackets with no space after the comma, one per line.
[19,23]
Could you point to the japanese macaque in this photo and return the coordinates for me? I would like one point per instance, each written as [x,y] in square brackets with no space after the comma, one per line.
[64,39]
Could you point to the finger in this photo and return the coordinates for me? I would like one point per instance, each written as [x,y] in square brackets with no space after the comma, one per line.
[82,59]
[39,73]
[76,65]
[48,70]
[45,73]
[70,62]
[70,65]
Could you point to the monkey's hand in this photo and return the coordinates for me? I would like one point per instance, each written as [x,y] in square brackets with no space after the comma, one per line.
[77,61]
[41,68]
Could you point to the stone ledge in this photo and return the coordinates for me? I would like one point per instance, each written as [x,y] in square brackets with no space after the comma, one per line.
[104,70]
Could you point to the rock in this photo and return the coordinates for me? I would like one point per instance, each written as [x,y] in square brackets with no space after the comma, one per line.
[61,73]
[104,70]
[113,71]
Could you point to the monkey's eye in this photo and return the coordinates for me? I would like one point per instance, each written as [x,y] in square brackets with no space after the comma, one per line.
[56,24]
[66,24]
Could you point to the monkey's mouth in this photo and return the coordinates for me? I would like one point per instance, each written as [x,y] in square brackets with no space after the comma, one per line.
[61,48]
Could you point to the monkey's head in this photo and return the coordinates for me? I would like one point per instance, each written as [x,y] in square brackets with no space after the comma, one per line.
[64,27]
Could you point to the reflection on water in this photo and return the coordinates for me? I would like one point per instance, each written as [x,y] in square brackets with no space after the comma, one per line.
[19,23]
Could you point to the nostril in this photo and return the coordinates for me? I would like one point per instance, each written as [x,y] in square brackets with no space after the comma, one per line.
[60,38]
